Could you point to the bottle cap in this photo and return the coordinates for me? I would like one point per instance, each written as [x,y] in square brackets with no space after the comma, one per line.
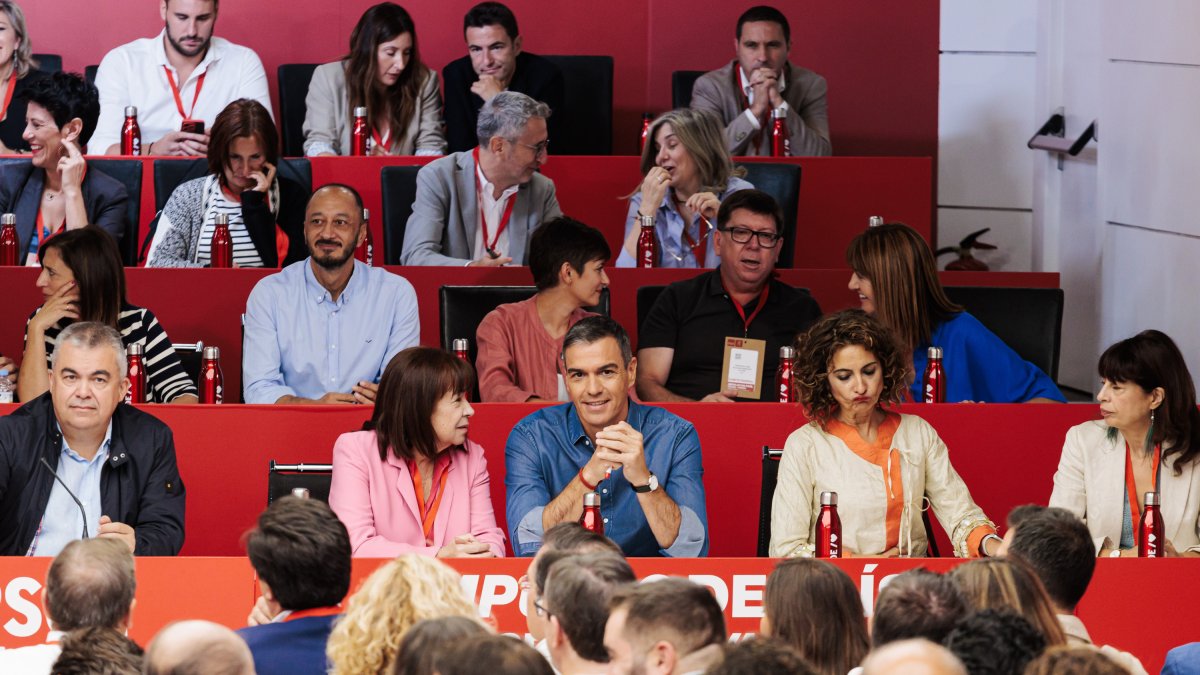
[778,114]
[300,492]
[212,352]
[1151,498]
[874,221]
[222,219]
[366,215]
[935,352]
[360,111]
[134,349]
[8,219]
[591,499]
[131,111]
[460,344]
[786,352]
[828,499]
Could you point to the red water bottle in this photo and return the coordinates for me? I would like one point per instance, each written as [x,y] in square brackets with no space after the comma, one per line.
[1151,538]
[829,528]
[645,131]
[366,250]
[647,244]
[137,374]
[781,142]
[8,240]
[462,349]
[221,249]
[360,135]
[131,133]
[591,520]
[212,382]
[783,376]
[934,382]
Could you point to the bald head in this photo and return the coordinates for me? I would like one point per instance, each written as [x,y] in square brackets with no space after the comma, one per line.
[912,657]
[198,648]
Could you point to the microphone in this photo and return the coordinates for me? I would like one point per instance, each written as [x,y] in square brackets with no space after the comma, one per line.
[71,494]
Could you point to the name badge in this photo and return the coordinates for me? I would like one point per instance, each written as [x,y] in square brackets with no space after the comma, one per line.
[743,367]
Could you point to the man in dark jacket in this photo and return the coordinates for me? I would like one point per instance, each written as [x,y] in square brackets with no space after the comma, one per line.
[115,465]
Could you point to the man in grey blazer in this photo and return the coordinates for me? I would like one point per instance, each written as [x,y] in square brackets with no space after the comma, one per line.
[454,222]
[745,92]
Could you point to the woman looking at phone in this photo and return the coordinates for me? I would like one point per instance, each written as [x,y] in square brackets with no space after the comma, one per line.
[265,211]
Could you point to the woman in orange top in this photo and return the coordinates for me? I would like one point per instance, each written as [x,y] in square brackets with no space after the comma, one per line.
[882,464]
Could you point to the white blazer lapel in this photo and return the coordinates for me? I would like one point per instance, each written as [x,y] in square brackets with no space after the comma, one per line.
[1110,482]
[1176,495]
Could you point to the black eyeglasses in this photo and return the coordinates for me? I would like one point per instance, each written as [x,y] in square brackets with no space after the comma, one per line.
[741,235]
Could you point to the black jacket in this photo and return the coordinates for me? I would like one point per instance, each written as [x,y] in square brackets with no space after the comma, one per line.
[139,485]
[534,76]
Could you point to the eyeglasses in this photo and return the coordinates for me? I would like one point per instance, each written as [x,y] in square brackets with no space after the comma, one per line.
[539,149]
[741,235]
[705,229]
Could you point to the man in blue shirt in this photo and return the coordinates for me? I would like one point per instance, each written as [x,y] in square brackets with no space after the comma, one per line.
[323,329]
[644,462]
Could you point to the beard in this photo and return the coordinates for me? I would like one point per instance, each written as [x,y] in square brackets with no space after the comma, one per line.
[332,261]
[177,45]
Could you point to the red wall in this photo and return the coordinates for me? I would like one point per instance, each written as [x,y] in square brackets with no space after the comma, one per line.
[880,58]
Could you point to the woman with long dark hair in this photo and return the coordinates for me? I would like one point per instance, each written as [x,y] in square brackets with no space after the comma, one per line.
[384,73]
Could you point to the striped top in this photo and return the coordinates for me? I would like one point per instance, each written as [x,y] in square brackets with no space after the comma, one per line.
[217,202]
[165,378]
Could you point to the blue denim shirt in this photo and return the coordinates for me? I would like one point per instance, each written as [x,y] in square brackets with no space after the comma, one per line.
[546,450]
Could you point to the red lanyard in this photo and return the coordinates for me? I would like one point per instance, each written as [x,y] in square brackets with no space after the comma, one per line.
[1131,484]
[12,84]
[313,611]
[490,247]
[429,512]
[762,302]
[384,142]
[697,247]
[175,91]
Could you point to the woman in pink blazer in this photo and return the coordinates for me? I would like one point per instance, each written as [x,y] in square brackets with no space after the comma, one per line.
[414,483]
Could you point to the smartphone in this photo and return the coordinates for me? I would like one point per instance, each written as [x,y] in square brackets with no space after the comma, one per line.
[192,126]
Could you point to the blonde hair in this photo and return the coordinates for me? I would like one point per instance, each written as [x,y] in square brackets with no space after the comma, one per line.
[22,58]
[704,138]
[409,589]
[1003,583]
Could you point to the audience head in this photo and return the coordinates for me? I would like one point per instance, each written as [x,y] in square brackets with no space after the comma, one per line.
[427,639]
[501,654]
[87,376]
[1057,546]
[98,651]
[1081,660]
[512,130]
[565,252]
[848,362]
[422,407]
[997,583]
[301,553]
[576,596]
[995,642]
[917,604]
[384,70]
[600,369]
[62,108]
[396,596]
[334,226]
[690,145]
[761,656]
[895,276]
[1148,389]
[84,263]
[917,656]
[90,583]
[814,607]
[15,45]
[242,139]
[763,39]
[493,41]
[563,539]
[198,648]
[748,238]
[652,625]
[189,25]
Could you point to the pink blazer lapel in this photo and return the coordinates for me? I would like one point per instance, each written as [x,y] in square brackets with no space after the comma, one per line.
[404,486]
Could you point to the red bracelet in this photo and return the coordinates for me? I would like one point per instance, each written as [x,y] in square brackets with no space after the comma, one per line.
[584,481]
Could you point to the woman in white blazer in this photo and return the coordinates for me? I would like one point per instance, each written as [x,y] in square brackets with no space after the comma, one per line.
[1148,440]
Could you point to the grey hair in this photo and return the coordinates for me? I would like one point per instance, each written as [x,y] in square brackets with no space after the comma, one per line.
[23,58]
[90,335]
[506,116]
[594,329]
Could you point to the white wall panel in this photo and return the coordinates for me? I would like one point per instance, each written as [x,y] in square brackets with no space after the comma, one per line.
[974,25]
[1162,31]
[1010,232]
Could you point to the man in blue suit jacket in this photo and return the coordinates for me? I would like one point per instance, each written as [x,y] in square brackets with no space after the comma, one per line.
[301,553]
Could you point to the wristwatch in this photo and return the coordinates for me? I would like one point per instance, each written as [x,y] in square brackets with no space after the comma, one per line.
[648,487]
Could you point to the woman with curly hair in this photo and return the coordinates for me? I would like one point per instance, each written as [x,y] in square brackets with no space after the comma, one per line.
[409,589]
[1007,584]
[882,464]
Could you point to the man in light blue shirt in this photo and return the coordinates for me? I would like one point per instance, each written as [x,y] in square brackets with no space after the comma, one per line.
[323,329]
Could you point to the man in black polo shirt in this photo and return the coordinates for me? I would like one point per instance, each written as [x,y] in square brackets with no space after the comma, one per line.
[495,63]
[737,313]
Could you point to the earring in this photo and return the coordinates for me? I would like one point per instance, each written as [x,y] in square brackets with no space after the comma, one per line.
[1152,416]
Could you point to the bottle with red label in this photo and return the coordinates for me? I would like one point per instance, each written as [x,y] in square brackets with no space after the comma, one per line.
[591,520]
[360,133]
[829,528]
[462,349]
[137,374]
[781,142]
[934,381]
[366,250]
[646,119]
[221,250]
[783,376]
[212,381]
[647,243]
[1151,538]
[131,133]
[9,244]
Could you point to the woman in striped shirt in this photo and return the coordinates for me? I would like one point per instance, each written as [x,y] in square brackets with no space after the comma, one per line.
[83,280]
[266,211]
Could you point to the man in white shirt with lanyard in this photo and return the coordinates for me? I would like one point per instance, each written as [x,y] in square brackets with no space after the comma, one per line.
[479,207]
[182,75]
